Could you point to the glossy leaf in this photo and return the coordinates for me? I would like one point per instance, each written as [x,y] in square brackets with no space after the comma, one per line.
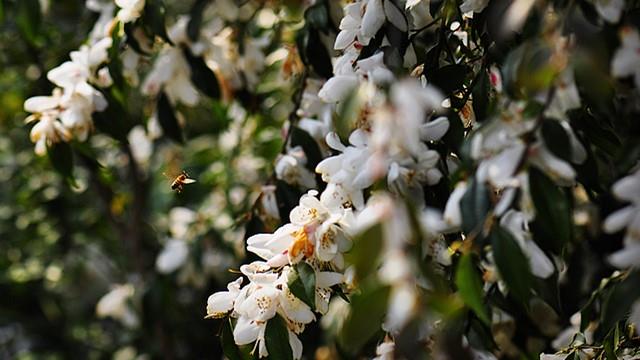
[168,120]
[552,227]
[513,265]
[311,149]
[277,339]
[469,286]
[302,283]
[367,312]
[556,139]
[202,76]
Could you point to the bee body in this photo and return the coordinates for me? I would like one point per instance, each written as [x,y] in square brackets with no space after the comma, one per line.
[180,181]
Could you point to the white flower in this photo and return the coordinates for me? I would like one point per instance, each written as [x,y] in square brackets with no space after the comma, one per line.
[221,303]
[172,74]
[48,130]
[518,225]
[355,168]
[626,189]
[130,10]
[610,10]
[384,351]
[338,88]
[476,6]
[362,20]
[115,304]
[172,257]
[626,60]
[452,212]
[291,169]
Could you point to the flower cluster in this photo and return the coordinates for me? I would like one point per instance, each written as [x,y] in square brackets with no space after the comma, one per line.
[316,236]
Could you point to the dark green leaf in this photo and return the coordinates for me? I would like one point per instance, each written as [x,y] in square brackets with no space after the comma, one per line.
[448,78]
[455,135]
[480,93]
[552,227]
[154,17]
[318,56]
[474,206]
[317,17]
[132,41]
[287,197]
[470,286]
[617,303]
[302,283]
[556,139]
[513,265]
[276,336]
[167,119]
[202,76]
[367,312]
[311,149]
[195,22]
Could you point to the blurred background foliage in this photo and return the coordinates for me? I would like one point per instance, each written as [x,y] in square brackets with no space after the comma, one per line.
[62,247]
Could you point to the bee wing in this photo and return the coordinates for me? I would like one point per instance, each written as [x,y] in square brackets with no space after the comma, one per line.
[188,181]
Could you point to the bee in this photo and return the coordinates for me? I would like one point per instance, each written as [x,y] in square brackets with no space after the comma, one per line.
[180,181]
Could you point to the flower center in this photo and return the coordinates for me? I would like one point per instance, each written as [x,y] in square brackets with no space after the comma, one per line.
[301,244]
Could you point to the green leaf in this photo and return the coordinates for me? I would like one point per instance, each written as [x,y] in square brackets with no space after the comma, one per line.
[311,149]
[470,287]
[317,17]
[302,283]
[365,251]
[512,264]
[202,76]
[367,313]
[154,17]
[556,139]
[195,22]
[552,227]
[277,338]
[448,78]
[617,303]
[474,206]
[287,198]
[317,55]
[480,93]
[168,120]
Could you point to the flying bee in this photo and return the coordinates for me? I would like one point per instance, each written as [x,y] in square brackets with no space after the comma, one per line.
[180,181]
